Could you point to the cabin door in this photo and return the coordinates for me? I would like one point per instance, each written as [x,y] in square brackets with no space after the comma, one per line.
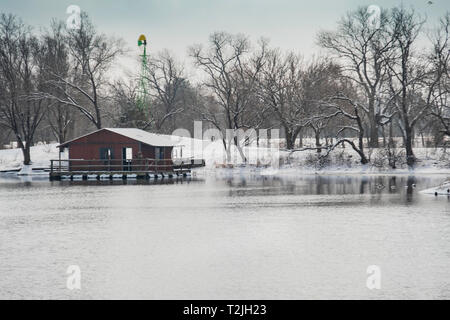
[159,155]
[127,156]
[106,155]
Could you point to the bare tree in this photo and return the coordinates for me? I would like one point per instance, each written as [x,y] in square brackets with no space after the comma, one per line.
[406,75]
[332,106]
[168,86]
[363,47]
[91,57]
[280,88]
[53,59]
[19,111]
[348,108]
[438,78]
[320,81]
[232,73]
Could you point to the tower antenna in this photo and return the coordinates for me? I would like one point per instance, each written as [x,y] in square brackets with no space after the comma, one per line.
[142,98]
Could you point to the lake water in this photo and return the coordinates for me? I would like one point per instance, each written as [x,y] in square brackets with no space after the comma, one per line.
[225,237]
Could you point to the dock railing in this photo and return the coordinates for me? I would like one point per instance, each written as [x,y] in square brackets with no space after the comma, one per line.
[112,166]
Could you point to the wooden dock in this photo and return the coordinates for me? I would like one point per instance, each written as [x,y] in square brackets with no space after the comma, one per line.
[121,169]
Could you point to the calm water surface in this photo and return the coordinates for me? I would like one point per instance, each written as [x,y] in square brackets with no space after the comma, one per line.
[225,237]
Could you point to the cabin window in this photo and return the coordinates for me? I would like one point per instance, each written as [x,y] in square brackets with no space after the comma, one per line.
[159,153]
[106,154]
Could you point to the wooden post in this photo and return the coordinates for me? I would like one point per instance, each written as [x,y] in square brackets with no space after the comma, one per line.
[59,155]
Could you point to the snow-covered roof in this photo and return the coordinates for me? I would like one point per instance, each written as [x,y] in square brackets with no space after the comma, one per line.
[152,139]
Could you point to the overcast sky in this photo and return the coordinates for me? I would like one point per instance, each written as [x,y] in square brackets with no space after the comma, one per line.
[177,24]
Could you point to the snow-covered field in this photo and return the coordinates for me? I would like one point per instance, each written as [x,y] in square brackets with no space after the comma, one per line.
[12,159]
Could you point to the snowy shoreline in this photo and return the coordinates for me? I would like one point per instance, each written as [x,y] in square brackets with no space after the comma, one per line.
[341,163]
[291,172]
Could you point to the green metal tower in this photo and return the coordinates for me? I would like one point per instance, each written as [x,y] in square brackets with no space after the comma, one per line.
[142,98]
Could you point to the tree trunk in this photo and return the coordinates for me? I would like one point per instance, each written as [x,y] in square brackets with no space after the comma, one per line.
[289,142]
[227,149]
[373,136]
[61,136]
[364,160]
[26,154]
[300,136]
[318,145]
[361,142]
[98,121]
[383,132]
[241,153]
[391,135]
[289,138]
[25,147]
[360,138]
[373,125]
[410,159]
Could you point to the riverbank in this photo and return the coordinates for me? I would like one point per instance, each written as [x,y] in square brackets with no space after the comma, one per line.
[273,162]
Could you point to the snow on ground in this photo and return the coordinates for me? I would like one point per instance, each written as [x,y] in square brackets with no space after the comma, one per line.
[267,159]
[347,161]
[12,159]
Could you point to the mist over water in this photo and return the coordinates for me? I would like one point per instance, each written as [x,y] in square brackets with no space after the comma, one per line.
[223,237]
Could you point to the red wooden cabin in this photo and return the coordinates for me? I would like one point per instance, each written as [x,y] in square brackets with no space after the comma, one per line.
[120,149]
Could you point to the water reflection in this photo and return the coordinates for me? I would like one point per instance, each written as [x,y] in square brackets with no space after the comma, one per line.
[240,237]
[375,189]
[28,181]
[120,182]
[406,187]
[330,184]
